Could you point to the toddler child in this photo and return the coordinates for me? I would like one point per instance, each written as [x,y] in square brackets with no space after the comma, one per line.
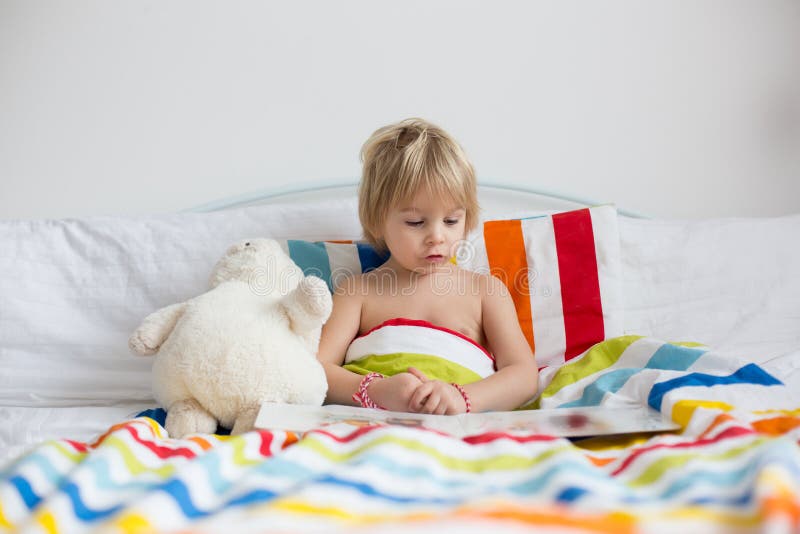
[410,335]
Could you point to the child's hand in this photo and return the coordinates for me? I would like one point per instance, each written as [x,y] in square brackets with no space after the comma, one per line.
[435,397]
[394,392]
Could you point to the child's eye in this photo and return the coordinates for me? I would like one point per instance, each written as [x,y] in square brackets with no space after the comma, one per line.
[451,222]
[414,223]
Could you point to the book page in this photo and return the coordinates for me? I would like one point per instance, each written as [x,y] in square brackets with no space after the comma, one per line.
[570,422]
[564,422]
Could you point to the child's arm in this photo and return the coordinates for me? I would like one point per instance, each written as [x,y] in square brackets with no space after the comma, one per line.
[516,379]
[337,333]
[392,393]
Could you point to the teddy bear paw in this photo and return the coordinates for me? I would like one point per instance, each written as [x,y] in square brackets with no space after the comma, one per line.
[246,420]
[189,417]
[140,344]
[314,297]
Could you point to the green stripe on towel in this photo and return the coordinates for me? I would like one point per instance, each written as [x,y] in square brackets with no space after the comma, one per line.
[433,366]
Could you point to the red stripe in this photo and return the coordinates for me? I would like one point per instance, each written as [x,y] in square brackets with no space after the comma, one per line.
[80,447]
[402,321]
[732,432]
[488,437]
[478,439]
[360,431]
[580,286]
[158,450]
[266,443]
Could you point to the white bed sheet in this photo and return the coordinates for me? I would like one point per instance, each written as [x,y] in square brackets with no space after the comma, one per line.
[729,283]
[25,426]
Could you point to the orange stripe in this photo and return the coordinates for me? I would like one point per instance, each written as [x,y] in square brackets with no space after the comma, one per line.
[776,426]
[600,462]
[784,506]
[505,249]
[340,241]
[107,433]
[204,444]
[611,523]
[291,438]
[718,420]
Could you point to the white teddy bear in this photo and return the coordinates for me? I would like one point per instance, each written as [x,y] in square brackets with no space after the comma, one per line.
[252,338]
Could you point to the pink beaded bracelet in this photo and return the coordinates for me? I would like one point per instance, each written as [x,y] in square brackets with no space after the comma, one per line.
[463,394]
[361,396]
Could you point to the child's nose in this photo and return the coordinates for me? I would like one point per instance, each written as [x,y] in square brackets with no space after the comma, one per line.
[436,234]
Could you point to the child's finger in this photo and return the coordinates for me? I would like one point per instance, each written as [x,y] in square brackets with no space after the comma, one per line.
[432,402]
[419,374]
[420,395]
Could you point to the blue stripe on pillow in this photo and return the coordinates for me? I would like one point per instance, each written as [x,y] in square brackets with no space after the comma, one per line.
[369,258]
[311,257]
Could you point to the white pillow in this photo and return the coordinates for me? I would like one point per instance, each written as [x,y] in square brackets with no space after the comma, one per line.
[73,290]
[732,283]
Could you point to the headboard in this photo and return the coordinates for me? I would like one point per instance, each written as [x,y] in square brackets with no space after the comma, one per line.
[494,198]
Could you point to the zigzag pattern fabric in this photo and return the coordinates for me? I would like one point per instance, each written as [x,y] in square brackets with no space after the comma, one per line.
[735,466]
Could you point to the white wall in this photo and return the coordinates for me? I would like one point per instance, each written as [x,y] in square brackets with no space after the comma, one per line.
[677,109]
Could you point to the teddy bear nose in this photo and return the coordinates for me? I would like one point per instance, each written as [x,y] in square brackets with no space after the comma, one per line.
[247,244]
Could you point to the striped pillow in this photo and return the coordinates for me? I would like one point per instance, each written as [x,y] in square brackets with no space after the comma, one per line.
[332,260]
[564,274]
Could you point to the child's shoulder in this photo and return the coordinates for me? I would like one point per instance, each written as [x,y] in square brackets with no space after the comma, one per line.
[487,284]
[482,277]
[358,284]
[346,285]
[373,276]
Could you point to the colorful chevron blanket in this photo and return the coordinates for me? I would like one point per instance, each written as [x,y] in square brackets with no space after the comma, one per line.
[734,467]
[440,353]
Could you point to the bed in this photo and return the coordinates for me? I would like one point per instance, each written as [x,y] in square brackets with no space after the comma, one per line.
[700,320]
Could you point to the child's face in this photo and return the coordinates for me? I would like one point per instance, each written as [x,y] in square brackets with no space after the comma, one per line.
[421,234]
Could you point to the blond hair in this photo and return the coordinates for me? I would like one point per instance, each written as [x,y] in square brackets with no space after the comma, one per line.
[404,158]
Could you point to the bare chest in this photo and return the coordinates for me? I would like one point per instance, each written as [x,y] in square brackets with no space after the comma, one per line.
[441,305]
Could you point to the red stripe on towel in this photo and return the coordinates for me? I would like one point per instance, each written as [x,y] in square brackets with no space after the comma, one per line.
[402,321]
[580,286]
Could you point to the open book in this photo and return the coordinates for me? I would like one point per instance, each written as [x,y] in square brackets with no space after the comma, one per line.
[565,422]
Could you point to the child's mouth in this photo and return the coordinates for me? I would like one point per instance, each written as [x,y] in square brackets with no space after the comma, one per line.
[435,258]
